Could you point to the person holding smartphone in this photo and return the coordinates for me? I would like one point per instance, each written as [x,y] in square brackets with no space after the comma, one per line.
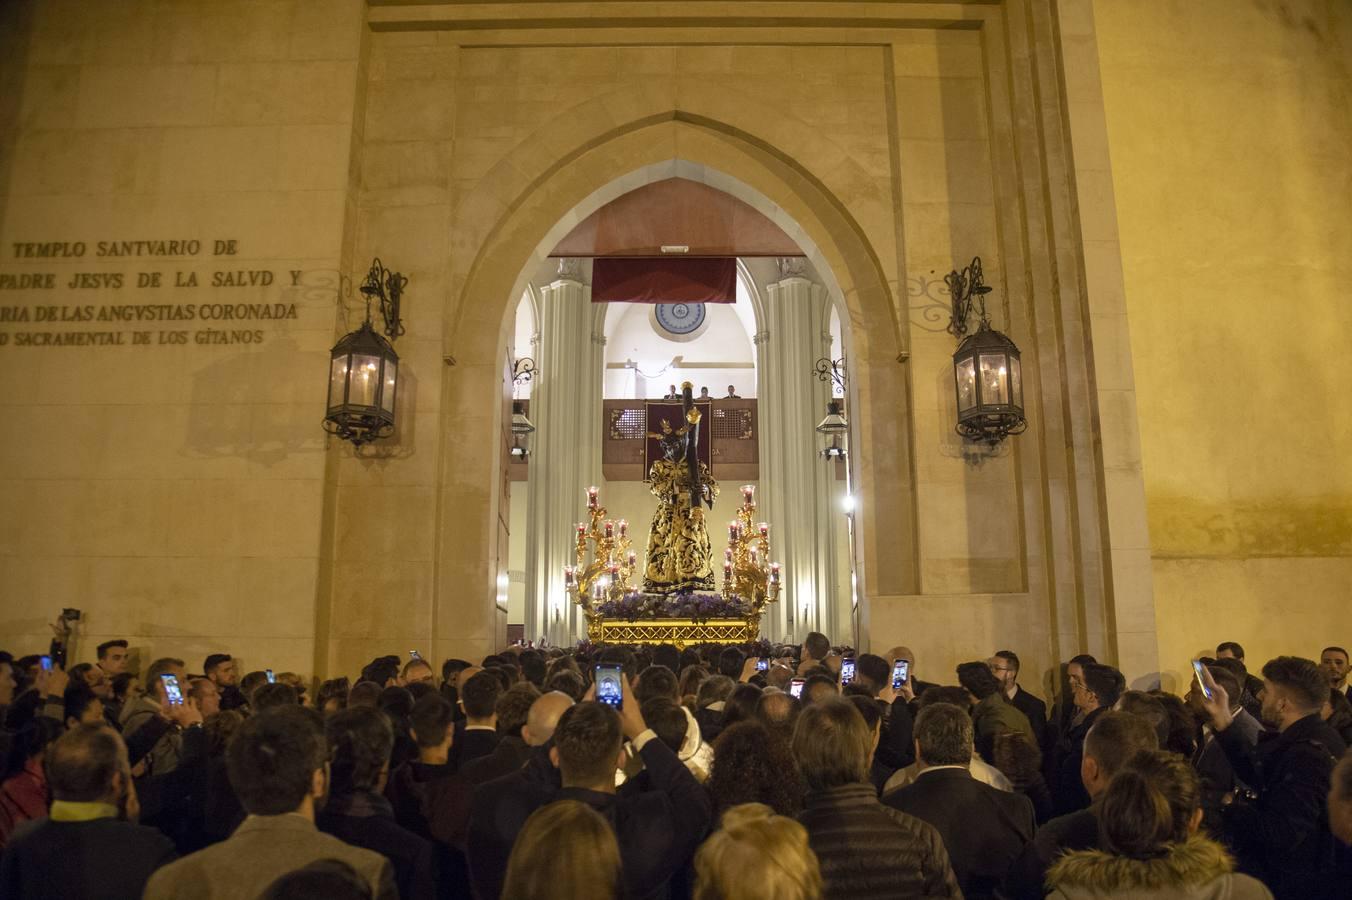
[154,711]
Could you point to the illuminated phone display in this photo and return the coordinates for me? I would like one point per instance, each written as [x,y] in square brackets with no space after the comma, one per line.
[901,673]
[609,689]
[847,670]
[172,690]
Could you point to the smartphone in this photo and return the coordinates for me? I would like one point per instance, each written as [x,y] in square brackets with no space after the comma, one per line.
[46,663]
[847,670]
[901,672]
[171,689]
[1197,667]
[272,679]
[762,664]
[609,687]
[414,654]
[796,687]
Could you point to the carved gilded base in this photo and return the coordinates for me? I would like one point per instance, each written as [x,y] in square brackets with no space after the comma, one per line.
[678,632]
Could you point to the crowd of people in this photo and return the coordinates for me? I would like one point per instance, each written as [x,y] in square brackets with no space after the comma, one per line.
[718,773]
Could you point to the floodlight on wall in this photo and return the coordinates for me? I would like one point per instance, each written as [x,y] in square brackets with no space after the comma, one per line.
[363,367]
[987,367]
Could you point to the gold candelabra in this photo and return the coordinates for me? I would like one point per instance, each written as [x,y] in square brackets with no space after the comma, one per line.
[747,570]
[606,561]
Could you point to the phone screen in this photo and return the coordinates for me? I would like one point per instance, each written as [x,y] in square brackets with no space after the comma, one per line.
[1197,667]
[796,687]
[46,663]
[762,664]
[847,670]
[900,673]
[171,690]
[609,688]
[272,679]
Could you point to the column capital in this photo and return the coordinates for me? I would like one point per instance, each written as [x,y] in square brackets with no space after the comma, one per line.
[570,268]
[792,266]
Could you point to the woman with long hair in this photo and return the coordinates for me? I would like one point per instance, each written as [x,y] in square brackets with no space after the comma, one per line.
[1152,849]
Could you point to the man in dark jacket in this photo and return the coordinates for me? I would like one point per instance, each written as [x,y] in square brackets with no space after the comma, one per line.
[361,739]
[1283,837]
[1094,693]
[984,829]
[84,848]
[1114,738]
[657,830]
[479,699]
[865,849]
[1005,665]
[511,751]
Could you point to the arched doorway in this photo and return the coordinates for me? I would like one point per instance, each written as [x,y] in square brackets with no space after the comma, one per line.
[573,187]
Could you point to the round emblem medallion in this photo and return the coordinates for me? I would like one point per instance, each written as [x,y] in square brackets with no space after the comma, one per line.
[680,318]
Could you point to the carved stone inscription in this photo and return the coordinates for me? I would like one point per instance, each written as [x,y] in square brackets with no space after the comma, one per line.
[62,308]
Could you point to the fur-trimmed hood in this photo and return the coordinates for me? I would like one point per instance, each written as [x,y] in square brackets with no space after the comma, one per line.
[1197,867]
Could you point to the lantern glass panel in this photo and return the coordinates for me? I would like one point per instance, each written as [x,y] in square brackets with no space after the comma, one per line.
[994,380]
[365,380]
[966,372]
[387,394]
[1016,381]
[337,380]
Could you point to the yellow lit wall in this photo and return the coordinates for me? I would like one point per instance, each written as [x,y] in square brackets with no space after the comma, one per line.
[1230,134]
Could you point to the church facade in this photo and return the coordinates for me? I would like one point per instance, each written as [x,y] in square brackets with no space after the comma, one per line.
[193,193]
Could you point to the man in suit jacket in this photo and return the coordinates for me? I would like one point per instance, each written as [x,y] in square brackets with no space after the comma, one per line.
[278,766]
[511,751]
[479,699]
[984,829]
[657,829]
[1114,739]
[1005,665]
[84,848]
[1216,775]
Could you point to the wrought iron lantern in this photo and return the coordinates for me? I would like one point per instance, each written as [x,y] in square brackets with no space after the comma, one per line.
[987,368]
[833,425]
[364,369]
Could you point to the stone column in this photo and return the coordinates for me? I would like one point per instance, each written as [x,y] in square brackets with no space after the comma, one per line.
[795,482]
[566,449]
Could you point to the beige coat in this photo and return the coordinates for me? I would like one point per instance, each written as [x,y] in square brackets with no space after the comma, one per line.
[1197,869]
[259,852]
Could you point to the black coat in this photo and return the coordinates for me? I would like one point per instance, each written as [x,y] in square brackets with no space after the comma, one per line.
[1036,711]
[984,829]
[1068,793]
[896,744]
[509,755]
[870,850]
[657,830]
[1065,834]
[366,820]
[472,744]
[103,859]
[1283,837]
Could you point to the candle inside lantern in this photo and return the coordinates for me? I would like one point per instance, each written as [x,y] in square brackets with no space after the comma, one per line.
[749,494]
[569,576]
[727,555]
[764,529]
[774,573]
[610,529]
[727,570]
[581,529]
[591,497]
[732,532]
[633,559]
[624,528]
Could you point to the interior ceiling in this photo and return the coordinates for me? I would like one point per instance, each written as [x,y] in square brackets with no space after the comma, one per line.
[676,212]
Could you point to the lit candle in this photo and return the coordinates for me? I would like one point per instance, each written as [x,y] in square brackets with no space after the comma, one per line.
[754,558]
[581,529]
[732,532]
[624,528]
[727,570]
[569,576]
[774,573]
[591,497]
[764,529]
[727,555]
[610,529]
[633,559]
[614,570]
[749,494]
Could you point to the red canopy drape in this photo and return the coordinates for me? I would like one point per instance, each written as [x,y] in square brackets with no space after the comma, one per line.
[643,279]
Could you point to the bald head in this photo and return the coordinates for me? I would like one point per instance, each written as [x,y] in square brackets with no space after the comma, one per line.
[543,718]
[465,675]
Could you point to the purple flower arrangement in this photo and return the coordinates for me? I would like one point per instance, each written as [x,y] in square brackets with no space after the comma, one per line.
[682,605]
